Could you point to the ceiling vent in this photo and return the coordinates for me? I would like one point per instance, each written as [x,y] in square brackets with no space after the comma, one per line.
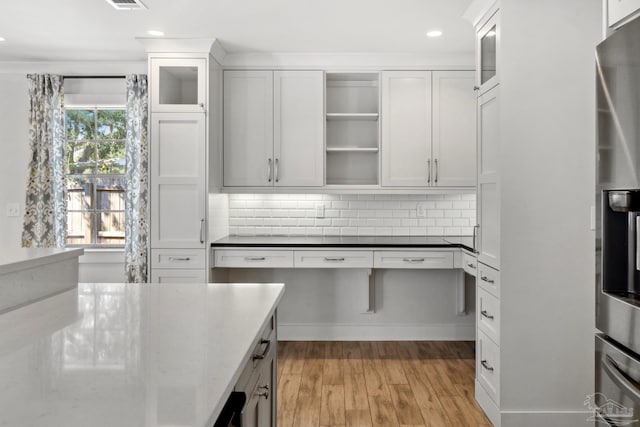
[127,4]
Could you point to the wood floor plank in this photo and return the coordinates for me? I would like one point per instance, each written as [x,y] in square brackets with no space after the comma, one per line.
[358,417]
[287,399]
[355,391]
[438,377]
[375,378]
[394,372]
[405,404]
[307,411]
[295,358]
[382,412]
[332,412]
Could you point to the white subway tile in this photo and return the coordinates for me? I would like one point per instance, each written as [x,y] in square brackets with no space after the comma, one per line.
[452,231]
[306,222]
[417,231]
[289,204]
[451,213]
[339,222]
[452,197]
[466,231]
[339,205]
[463,204]
[435,231]
[332,213]
[401,231]
[366,214]
[314,231]
[365,231]
[409,222]
[246,231]
[280,231]
[397,213]
[233,231]
[331,231]
[365,197]
[349,231]
[444,205]
[358,222]
[384,213]
[322,222]
[471,196]
[444,222]
[348,213]
[297,231]
[263,231]
[289,222]
[468,214]
[375,222]
[357,205]
[237,204]
[348,197]
[271,204]
[272,221]
[427,222]
[306,204]
[434,213]
[461,222]
[384,231]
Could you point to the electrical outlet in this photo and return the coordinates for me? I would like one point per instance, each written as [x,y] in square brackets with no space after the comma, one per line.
[319,210]
[13,209]
[421,212]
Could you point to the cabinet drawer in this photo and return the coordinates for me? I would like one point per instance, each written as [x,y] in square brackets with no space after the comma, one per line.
[422,259]
[488,308]
[178,258]
[488,366]
[469,264]
[488,279]
[178,275]
[253,259]
[263,348]
[333,259]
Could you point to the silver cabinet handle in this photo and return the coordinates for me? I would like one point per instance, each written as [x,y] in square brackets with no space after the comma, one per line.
[254,258]
[277,168]
[330,259]
[428,171]
[619,377]
[486,366]
[436,168]
[476,228]
[179,258]
[269,169]
[486,279]
[263,391]
[413,259]
[260,356]
[487,315]
[202,230]
[471,265]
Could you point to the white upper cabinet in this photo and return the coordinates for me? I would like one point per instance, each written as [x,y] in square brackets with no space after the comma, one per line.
[248,128]
[487,57]
[273,129]
[428,129]
[406,128]
[454,134]
[178,85]
[178,180]
[298,129]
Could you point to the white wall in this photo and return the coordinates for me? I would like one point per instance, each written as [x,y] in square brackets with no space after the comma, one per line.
[547,87]
[14,105]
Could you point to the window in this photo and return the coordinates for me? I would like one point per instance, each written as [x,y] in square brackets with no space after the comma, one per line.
[95,176]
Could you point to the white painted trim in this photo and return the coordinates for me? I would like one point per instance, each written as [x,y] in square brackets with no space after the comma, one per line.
[175,45]
[487,404]
[217,52]
[545,418]
[348,61]
[478,10]
[375,332]
[102,256]
[74,67]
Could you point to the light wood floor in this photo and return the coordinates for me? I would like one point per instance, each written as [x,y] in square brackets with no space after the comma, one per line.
[400,383]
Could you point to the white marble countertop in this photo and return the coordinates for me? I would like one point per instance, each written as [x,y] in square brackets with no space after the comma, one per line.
[22,258]
[129,355]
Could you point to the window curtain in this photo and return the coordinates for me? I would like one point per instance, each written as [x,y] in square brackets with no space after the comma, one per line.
[137,191]
[45,207]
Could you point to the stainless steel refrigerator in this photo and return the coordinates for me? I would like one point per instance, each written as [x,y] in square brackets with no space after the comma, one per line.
[617,383]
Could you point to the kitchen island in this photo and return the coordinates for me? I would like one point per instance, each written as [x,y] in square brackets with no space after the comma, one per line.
[30,274]
[131,355]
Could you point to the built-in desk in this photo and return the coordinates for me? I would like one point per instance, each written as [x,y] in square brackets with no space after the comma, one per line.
[367,253]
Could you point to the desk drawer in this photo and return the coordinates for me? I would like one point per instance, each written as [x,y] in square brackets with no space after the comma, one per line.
[417,259]
[469,264]
[178,258]
[488,279]
[488,309]
[253,259]
[334,259]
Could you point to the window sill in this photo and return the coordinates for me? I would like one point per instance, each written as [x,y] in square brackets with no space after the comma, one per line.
[102,256]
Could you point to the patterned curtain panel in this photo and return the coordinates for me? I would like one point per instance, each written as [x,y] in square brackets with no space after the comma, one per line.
[45,210]
[137,193]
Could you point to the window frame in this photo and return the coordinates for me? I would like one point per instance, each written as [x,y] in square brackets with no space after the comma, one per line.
[93,178]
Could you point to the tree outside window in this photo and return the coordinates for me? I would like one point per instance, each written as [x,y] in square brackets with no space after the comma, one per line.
[95,176]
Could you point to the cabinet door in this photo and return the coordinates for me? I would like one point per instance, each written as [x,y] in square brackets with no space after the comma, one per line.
[488,202]
[178,85]
[487,54]
[454,129]
[178,180]
[248,128]
[406,128]
[267,391]
[165,275]
[298,128]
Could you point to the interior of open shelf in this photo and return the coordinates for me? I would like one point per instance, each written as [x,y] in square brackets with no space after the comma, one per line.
[353,128]
[178,85]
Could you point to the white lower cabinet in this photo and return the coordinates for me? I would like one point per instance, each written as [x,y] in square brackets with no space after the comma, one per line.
[253,259]
[413,259]
[178,275]
[470,264]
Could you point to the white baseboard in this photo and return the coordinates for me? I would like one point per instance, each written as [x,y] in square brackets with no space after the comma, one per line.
[375,332]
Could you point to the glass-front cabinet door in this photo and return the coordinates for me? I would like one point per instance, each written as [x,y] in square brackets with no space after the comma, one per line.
[178,85]
[487,40]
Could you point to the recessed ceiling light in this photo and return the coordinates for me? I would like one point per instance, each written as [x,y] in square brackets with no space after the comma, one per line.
[157,33]
[434,33]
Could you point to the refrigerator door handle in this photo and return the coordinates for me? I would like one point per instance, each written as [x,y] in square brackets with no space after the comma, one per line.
[619,377]
[637,242]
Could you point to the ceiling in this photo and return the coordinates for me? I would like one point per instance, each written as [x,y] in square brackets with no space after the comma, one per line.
[85,30]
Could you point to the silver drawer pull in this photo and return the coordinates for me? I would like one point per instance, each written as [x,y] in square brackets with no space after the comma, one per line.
[179,258]
[471,265]
[330,259]
[413,259]
[260,356]
[487,315]
[486,366]
[254,258]
[486,279]
[263,391]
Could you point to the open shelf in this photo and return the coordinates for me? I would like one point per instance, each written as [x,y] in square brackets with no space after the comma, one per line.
[353,149]
[353,128]
[353,116]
